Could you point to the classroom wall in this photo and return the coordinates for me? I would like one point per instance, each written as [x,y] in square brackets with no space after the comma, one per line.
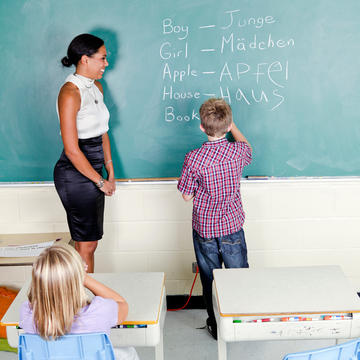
[148,227]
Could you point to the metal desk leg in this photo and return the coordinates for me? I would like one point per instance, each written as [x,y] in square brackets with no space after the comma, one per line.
[159,348]
[221,348]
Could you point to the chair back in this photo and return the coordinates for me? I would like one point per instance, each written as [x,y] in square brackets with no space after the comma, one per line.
[347,351]
[92,346]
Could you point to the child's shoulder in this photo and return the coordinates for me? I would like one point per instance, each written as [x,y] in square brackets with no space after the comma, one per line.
[100,301]
[238,146]
[25,307]
[98,304]
[193,152]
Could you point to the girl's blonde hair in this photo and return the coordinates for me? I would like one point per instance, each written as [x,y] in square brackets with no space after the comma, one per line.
[57,290]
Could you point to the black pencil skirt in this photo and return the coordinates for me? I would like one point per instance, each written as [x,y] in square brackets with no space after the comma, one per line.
[82,200]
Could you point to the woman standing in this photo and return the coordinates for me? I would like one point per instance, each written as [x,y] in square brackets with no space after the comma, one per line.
[84,124]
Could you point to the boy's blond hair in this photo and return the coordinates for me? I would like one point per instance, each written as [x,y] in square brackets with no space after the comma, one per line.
[216,117]
[57,290]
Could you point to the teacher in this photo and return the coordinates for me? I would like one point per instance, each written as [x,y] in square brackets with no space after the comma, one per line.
[84,122]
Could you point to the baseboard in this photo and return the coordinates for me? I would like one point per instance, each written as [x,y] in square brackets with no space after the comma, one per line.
[178,301]
[196,302]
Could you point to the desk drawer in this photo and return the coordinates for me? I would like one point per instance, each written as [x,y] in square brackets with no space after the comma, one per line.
[149,336]
[286,330]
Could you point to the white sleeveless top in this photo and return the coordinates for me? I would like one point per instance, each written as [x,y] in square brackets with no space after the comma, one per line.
[93,117]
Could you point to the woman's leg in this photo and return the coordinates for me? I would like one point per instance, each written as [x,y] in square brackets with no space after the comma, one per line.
[86,249]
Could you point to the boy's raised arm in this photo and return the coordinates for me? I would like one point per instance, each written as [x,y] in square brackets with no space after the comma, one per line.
[237,134]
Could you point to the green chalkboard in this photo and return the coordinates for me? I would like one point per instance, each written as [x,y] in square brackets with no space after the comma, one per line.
[290,70]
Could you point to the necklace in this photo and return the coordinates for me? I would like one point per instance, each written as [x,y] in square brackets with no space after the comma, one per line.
[89,84]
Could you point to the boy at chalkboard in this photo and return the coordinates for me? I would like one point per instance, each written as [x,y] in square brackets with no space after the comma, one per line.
[211,176]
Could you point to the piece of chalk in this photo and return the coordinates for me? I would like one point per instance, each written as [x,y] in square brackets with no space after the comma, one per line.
[256,177]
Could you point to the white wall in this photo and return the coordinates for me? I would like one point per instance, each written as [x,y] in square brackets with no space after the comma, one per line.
[148,226]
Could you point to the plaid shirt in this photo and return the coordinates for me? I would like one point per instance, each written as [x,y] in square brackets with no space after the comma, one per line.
[212,173]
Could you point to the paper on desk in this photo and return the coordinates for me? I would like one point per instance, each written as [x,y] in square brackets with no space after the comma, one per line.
[24,250]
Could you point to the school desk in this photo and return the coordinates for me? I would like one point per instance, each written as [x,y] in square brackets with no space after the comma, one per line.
[284,303]
[28,239]
[145,293]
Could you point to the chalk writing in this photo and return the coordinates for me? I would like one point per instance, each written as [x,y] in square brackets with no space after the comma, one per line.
[169,94]
[234,19]
[222,73]
[261,70]
[181,30]
[228,42]
[171,116]
[168,51]
[178,75]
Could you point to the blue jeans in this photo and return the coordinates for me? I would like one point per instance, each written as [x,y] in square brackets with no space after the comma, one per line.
[211,254]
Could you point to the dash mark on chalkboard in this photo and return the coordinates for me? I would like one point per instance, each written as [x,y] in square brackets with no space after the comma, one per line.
[206,50]
[210,95]
[208,72]
[206,26]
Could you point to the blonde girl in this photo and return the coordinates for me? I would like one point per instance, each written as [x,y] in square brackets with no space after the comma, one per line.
[57,302]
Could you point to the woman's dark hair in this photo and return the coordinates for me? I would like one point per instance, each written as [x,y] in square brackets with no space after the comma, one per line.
[84,44]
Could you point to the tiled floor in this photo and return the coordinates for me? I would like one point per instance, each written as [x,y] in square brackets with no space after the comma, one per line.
[183,341]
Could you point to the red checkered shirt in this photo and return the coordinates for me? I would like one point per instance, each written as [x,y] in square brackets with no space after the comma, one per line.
[212,173]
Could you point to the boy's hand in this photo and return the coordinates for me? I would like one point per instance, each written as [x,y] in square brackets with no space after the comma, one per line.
[187,197]
[237,135]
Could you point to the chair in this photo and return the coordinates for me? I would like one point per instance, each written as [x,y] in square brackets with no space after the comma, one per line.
[92,346]
[347,351]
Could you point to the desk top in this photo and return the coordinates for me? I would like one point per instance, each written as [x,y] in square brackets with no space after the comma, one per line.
[27,239]
[284,290]
[142,291]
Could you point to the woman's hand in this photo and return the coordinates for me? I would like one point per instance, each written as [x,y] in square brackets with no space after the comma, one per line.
[111,180]
[108,188]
